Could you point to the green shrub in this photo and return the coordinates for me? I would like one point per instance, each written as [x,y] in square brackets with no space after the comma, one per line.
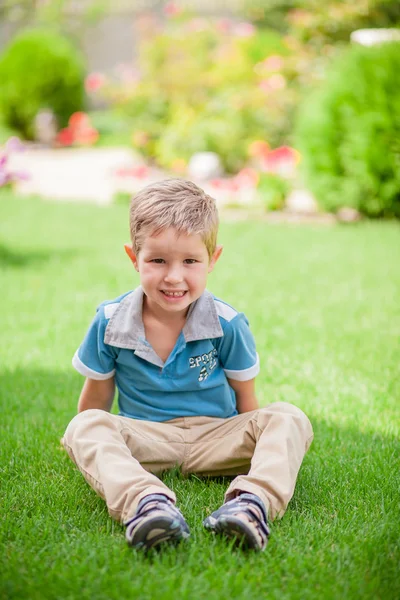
[200,91]
[6,132]
[315,21]
[114,129]
[39,69]
[273,191]
[349,133]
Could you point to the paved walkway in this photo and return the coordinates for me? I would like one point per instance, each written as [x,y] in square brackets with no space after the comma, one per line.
[78,174]
[98,174]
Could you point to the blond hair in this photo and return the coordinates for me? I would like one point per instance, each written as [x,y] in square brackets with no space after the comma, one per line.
[174,203]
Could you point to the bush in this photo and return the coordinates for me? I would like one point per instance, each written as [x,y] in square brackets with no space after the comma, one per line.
[330,21]
[113,129]
[349,133]
[6,132]
[273,190]
[39,69]
[201,90]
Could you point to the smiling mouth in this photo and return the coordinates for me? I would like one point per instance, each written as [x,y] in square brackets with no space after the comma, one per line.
[174,294]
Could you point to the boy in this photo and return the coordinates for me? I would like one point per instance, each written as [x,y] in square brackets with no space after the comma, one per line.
[184,364]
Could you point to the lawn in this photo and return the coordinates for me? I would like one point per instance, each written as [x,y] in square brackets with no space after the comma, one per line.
[323,303]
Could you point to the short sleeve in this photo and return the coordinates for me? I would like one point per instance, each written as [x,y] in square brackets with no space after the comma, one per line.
[94,358]
[237,350]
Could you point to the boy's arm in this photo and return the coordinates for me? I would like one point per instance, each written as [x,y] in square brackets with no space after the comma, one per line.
[97,394]
[245,394]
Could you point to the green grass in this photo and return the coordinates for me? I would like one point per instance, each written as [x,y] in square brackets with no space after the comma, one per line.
[324,306]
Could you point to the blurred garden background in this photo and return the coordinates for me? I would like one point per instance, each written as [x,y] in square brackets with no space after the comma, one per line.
[288,113]
[270,104]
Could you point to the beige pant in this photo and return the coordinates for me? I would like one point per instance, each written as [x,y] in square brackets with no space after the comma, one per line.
[119,456]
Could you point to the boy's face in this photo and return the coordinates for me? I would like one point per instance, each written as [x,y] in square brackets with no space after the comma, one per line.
[173,270]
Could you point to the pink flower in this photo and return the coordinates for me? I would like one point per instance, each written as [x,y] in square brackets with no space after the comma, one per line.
[244,30]
[14,144]
[247,177]
[21,175]
[171,9]
[4,178]
[273,63]
[273,83]
[126,73]
[224,25]
[217,183]
[232,185]
[138,172]
[94,82]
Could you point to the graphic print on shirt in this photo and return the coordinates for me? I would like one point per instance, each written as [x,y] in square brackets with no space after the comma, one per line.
[206,362]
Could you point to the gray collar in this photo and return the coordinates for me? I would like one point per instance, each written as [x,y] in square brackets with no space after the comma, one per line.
[125,328]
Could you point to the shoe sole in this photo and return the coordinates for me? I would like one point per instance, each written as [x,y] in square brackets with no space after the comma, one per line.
[232,527]
[167,531]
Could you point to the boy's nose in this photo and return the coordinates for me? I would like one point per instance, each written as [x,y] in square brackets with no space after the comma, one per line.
[174,275]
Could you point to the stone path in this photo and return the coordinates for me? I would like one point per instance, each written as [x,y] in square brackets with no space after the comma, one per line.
[77,174]
[94,175]
[98,174]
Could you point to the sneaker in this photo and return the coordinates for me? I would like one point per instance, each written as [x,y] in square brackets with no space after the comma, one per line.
[157,520]
[243,518]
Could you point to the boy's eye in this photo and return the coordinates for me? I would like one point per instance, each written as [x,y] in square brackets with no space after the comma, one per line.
[160,261]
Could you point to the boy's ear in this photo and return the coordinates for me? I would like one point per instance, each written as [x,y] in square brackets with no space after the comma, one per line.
[131,254]
[217,253]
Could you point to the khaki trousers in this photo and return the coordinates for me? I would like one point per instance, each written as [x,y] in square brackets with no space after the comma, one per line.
[119,457]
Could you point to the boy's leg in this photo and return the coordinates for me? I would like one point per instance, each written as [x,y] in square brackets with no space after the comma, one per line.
[265,447]
[117,457]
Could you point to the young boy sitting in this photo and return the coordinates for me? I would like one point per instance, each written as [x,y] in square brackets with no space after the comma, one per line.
[184,364]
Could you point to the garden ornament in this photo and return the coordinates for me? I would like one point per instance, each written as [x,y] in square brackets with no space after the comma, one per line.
[45,127]
[205,165]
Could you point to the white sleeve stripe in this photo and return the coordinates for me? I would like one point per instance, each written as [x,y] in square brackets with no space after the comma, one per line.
[87,372]
[225,311]
[245,374]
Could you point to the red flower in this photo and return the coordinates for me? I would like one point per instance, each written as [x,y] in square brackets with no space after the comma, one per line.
[79,121]
[79,131]
[139,172]
[282,160]
[65,137]
[87,136]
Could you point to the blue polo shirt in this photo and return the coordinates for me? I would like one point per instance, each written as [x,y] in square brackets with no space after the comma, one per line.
[215,345]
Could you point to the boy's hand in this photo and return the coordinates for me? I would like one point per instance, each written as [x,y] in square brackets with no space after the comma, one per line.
[245,394]
[97,394]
